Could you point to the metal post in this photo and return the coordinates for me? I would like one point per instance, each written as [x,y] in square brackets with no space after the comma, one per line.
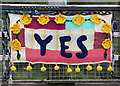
[10,81]
[4,53]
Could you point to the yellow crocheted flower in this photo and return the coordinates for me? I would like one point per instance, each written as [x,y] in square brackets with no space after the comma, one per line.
[43,19]
[43,68]
[69,70]
[29,67]
[26,19]
[15,28]
[13,68]
[60,19]
[77,69]
[107,43]
[96,19]
[15,44]
[110,67]
[99,68]
[78,19]
[56,67]
[106,28]
[89,67]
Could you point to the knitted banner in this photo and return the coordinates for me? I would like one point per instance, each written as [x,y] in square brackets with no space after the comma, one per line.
[68,39]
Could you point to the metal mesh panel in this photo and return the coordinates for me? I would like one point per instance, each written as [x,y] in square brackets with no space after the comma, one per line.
[117,68]
[117,45]
[50,74]
[22,74]
[62,74]
[117,14]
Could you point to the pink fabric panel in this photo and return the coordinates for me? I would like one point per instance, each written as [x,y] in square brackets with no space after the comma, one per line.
[50,25]
[94,55]
[21,37]
[99,37]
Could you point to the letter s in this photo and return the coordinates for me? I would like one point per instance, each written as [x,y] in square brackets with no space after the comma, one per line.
[82,47]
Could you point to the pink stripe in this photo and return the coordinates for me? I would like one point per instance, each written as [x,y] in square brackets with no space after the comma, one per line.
[99,37]
[51,25]
[95,55]
[21,37]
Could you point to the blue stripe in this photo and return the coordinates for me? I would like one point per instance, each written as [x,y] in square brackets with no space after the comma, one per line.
[86,25]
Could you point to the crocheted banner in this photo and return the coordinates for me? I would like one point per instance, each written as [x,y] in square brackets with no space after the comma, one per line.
[61,39]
